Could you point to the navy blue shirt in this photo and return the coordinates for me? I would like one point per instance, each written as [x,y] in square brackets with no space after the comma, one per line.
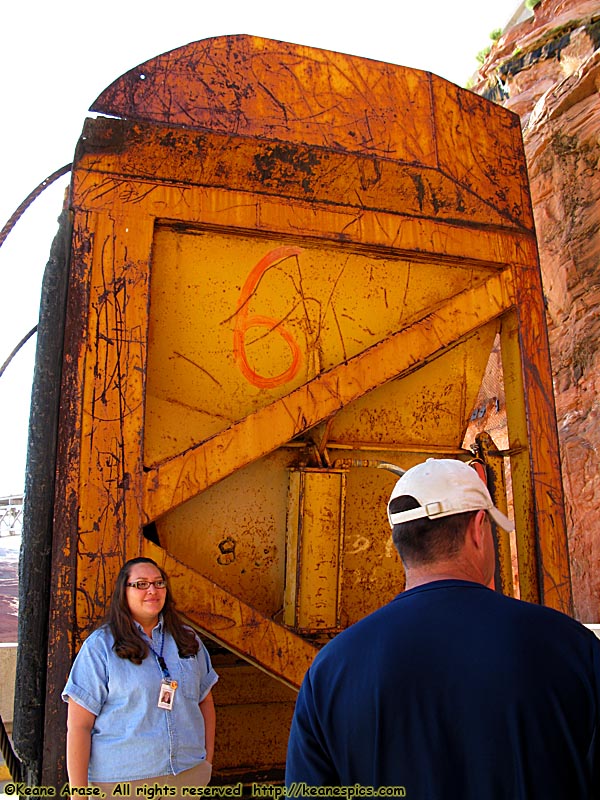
[453,691]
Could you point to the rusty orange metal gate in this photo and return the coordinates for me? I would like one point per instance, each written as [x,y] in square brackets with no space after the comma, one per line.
[286,266]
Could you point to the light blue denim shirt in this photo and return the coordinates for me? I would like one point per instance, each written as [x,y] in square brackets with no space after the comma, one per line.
[132,738]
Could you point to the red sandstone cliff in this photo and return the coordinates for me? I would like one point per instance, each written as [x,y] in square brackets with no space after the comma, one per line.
[547,69]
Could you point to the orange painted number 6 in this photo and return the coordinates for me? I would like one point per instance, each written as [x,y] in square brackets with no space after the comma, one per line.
[243,323]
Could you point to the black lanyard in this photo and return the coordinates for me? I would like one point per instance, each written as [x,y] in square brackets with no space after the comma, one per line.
[159,657]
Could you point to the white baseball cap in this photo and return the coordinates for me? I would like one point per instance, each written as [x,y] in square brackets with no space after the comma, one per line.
[444,486]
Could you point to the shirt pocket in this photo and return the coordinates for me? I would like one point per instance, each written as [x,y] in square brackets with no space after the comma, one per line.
[190,678]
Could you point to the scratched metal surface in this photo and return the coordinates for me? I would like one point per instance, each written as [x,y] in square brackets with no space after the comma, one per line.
[249,86]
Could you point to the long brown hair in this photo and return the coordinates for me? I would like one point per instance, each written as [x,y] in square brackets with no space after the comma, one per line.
[128,641]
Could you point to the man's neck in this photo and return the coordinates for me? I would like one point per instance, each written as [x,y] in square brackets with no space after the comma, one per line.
[441,571]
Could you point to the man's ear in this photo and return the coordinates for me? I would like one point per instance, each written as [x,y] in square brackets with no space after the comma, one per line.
[476,529]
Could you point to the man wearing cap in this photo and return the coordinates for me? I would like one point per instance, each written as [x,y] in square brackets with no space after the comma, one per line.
[451,690]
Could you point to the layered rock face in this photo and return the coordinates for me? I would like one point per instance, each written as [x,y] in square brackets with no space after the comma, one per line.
[547,69]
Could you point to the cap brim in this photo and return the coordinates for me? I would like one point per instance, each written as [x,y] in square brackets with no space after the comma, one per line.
[500,519]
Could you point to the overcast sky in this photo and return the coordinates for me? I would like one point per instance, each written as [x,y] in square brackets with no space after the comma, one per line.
[56,58]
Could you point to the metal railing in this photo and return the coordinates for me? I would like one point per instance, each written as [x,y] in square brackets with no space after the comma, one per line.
[11,515]
[10,758]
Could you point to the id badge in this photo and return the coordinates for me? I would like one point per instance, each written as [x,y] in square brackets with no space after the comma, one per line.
[167,694]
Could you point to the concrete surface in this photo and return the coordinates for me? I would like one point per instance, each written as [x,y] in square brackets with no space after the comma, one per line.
[8,665]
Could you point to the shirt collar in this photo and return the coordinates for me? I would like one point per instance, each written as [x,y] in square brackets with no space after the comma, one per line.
[158,627]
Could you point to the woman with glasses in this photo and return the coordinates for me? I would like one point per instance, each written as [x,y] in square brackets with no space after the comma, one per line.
[139,693]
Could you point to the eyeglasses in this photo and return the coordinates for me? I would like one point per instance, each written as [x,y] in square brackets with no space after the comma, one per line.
[160,584]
